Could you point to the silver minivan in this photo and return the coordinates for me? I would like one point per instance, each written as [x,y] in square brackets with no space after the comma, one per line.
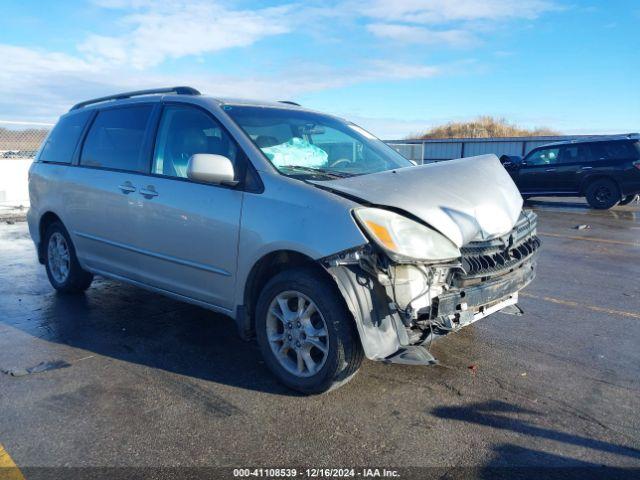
[317,238]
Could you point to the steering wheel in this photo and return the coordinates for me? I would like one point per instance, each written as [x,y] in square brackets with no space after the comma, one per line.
[340,161]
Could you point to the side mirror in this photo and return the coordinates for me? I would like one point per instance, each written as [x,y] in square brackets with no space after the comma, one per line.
[211,168]
[510,161]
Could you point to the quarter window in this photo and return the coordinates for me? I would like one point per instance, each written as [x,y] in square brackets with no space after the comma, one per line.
[116,139]
[185,131]
[61,142]
[618,151]
[546,156]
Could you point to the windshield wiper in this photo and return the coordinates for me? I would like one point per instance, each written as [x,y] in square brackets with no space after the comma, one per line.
[323,171]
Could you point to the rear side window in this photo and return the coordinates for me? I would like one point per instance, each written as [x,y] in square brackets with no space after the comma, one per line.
[576,153]
[61,142]
[617,151]
[116,138]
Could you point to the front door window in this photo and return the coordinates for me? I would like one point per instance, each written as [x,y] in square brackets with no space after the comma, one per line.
[546,156]
[185,131]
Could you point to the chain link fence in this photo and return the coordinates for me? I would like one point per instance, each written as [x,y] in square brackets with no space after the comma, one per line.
[21,140]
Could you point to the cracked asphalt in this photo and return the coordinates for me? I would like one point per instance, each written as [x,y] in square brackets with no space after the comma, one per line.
[146,381]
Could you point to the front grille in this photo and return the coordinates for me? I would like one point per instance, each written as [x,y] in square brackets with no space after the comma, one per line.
[501,255]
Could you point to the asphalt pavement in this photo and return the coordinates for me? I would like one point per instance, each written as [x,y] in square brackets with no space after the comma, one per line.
[120,377]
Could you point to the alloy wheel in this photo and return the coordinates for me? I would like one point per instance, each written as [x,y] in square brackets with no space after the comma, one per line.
[297,333]
[58,257]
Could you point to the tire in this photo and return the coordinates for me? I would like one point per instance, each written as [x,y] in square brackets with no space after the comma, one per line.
[603,194]
[64,272]
[628,199]
[344,353]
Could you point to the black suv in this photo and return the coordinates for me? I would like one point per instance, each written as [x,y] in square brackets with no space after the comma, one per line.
[605,170]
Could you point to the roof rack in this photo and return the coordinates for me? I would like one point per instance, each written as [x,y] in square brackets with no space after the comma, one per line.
[594,138]
[604,138]
[289,102]
[137,93]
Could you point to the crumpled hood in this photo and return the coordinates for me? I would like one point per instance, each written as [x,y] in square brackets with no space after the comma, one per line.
[466,200]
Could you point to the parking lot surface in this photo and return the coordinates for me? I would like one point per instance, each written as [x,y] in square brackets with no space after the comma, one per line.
[135,379]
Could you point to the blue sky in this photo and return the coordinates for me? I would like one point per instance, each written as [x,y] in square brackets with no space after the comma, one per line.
[396,67]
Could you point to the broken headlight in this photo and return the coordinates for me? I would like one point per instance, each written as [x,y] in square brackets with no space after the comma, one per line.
[404,239]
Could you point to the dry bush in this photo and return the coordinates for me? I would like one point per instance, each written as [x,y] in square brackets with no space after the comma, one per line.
[482,127]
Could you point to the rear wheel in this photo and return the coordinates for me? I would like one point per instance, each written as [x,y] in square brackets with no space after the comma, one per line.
[64,272]
[603,194]
[628,199]
[307,336]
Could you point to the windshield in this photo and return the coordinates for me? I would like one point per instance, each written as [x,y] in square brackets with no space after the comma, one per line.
[313,145]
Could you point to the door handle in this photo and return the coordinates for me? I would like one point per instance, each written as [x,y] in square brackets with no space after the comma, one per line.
[586,168]
[148,192]
[127,188]
[550,170]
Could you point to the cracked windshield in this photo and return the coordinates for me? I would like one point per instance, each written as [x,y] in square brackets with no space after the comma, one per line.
[313,145]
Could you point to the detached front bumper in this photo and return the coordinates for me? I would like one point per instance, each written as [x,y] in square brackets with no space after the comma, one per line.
[395,323]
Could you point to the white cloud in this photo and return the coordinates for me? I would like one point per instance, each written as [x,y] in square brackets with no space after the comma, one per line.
[55,81]
[156,30]
[421,35]
[150,32]
[23,60]
[429,22]
[383,69]
[161,30]
[442,11]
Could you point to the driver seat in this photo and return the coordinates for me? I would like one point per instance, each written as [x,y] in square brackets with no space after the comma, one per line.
[187,141]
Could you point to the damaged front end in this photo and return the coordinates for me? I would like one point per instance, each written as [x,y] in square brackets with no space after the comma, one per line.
[401,306]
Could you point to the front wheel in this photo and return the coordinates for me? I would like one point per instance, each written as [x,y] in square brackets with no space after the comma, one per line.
[603,194]
[305,332]
[64,272]
[628,199]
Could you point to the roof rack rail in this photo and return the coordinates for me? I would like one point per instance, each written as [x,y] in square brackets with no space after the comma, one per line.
[595,138]
[289,102]
[137,93]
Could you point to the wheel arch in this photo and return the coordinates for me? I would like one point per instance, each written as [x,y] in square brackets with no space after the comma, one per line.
[594,178]
[262,271]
